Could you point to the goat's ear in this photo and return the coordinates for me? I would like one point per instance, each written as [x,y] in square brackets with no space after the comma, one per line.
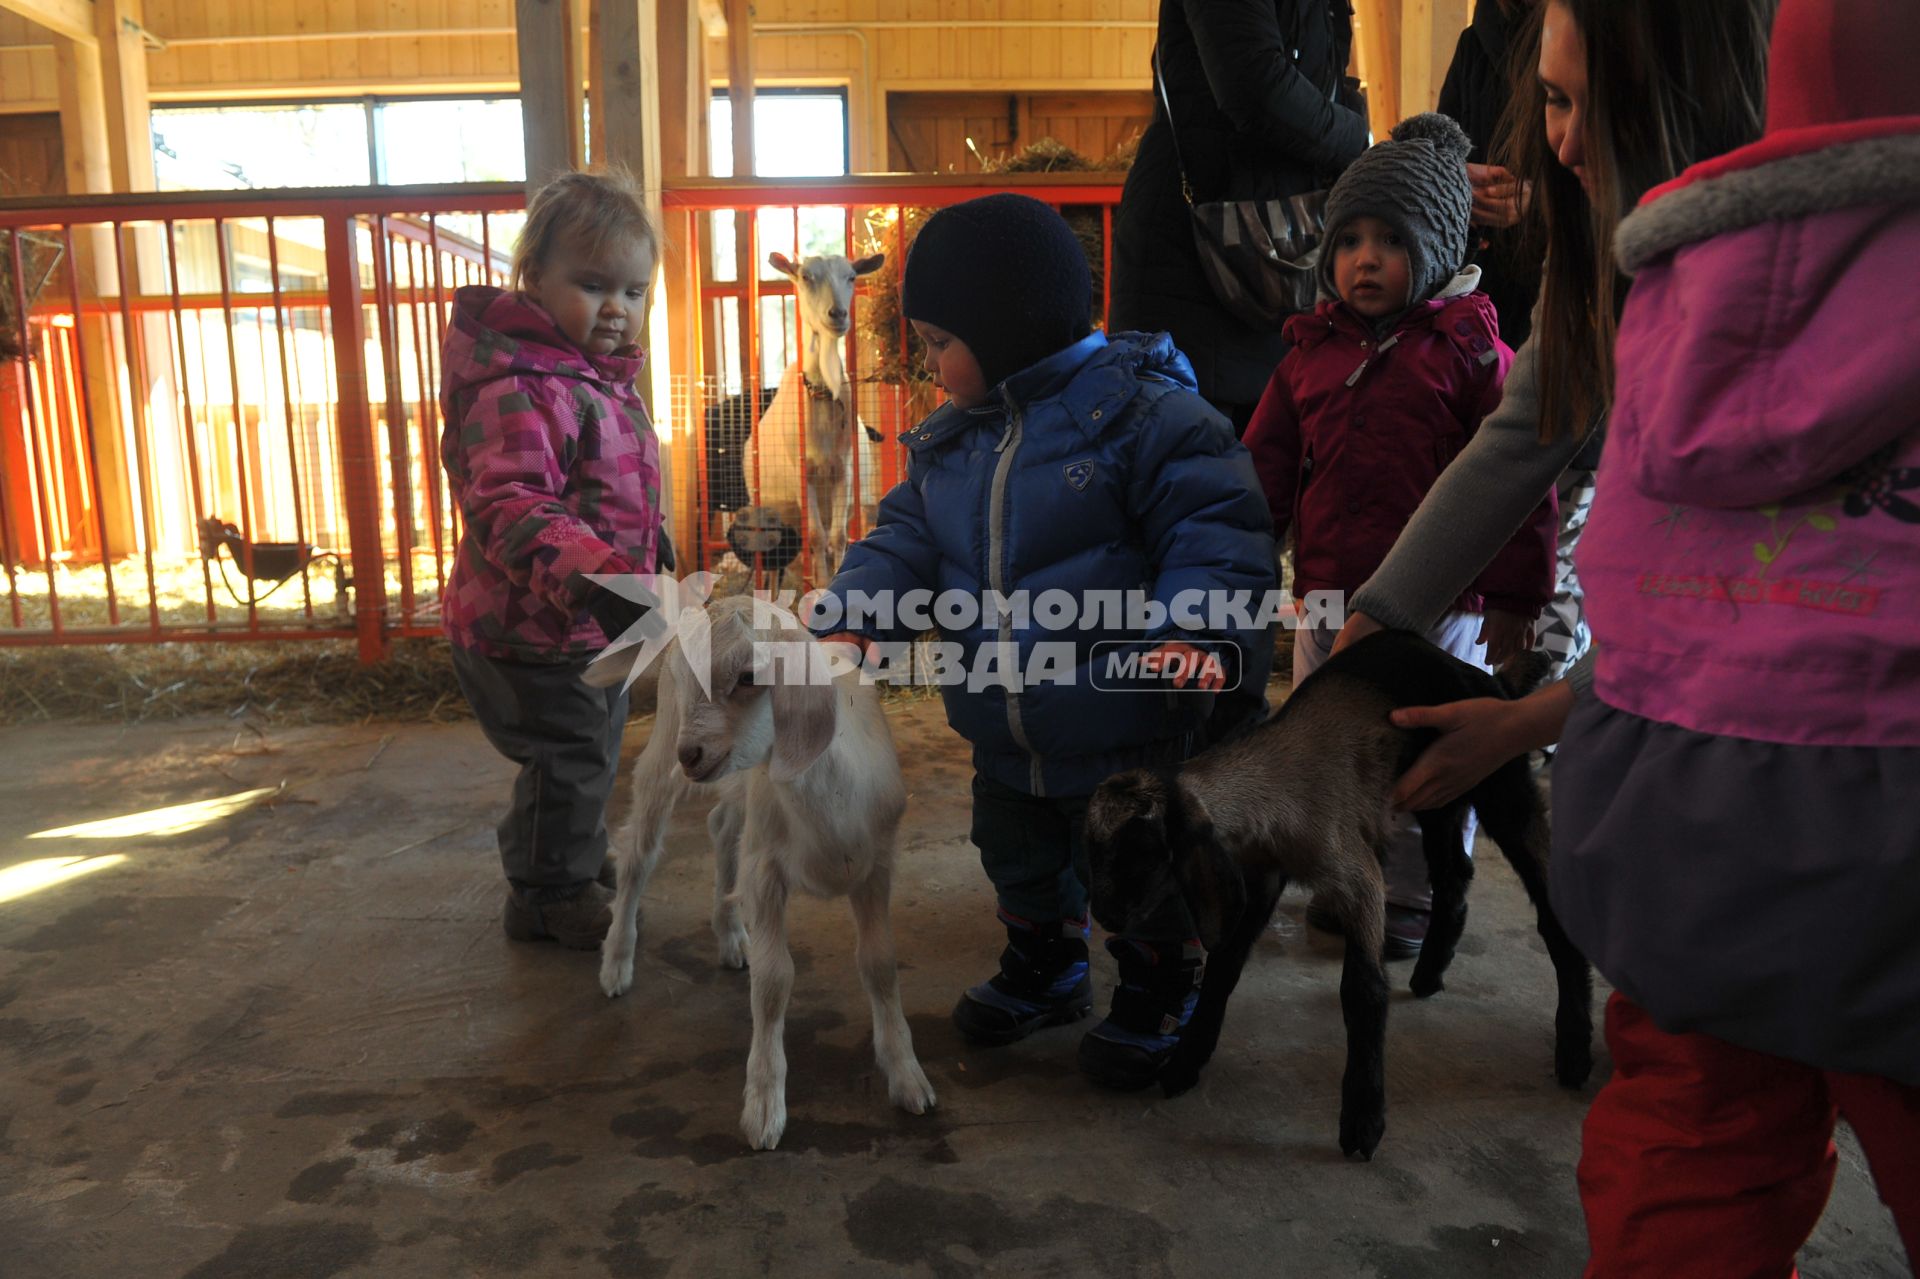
[1209,878]
[804,714]
[867,266]
[782,263]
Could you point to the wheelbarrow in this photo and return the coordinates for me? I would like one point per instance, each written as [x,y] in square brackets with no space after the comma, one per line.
[275,562]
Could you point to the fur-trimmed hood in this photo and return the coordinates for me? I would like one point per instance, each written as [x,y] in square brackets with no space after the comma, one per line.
[1796,174]
[1752,562]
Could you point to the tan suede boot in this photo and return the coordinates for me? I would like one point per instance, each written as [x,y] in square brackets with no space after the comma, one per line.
[578,922]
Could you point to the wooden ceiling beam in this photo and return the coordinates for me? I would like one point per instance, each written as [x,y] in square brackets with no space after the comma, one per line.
[71,19]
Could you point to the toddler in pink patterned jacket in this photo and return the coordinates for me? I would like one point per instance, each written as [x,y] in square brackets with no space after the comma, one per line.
[556,470]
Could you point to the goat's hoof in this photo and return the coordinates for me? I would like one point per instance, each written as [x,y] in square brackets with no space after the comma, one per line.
[733,949]
[1361,1136]
[908,1089]
[764,1120]
[1425,985]
[616,977]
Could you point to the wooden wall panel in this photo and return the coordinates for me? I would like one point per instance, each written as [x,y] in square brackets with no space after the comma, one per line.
[928,132]
[32,158]
[240,49]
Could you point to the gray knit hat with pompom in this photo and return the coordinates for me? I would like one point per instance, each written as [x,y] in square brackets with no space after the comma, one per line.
[1417,184]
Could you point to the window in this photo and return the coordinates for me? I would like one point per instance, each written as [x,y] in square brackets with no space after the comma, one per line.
[449,140]
[236,148]
[356,143]
[797,133]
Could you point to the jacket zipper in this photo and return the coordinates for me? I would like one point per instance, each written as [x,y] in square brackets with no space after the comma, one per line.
[997,579]
[1380,350]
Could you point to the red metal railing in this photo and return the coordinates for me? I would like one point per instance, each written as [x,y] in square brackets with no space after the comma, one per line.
[266,362]
[271,362]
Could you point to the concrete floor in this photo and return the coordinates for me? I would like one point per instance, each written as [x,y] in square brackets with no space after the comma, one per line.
[292,1043]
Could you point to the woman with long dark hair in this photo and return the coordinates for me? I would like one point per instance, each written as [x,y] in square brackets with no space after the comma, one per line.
[1739,780]
[1478,92]
[1664,86]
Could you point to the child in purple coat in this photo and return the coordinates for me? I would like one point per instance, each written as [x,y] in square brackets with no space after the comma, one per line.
[556,469]
[1737,805]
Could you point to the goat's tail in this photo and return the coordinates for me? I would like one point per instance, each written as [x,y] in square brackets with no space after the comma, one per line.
[1521,675]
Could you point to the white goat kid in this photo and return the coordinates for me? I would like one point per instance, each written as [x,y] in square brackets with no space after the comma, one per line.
[800,460]
[811,797]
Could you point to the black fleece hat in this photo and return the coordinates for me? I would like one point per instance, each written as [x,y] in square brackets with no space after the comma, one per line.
[1006,275]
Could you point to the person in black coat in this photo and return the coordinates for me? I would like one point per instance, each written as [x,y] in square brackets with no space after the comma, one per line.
[1262,110]
[1478,86]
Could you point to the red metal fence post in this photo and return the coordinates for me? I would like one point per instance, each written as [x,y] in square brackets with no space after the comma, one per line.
[359,464]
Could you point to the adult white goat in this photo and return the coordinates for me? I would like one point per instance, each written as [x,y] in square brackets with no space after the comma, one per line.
[811,797]
[800,459]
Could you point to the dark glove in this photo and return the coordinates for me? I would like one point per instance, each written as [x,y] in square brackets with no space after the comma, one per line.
[663,553]
[614,613]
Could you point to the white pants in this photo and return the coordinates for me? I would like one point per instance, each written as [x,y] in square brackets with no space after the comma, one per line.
[1406,858]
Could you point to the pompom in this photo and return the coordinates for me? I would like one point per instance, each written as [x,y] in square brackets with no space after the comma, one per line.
[1448,138]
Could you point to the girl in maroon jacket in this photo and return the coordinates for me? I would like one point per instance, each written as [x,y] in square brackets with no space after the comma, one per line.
[1384,383]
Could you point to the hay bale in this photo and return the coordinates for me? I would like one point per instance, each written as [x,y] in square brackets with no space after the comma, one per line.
[310,682]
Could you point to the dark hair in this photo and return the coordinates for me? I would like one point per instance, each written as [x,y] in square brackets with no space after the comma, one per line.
[1669,83]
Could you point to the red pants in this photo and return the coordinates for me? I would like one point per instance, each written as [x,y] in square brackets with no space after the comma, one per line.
[1714,1162]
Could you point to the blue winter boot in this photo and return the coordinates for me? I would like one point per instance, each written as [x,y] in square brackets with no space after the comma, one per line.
[1042,982]
[1159,985]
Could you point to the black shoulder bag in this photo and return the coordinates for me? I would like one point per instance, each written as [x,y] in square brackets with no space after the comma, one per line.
[1261,257]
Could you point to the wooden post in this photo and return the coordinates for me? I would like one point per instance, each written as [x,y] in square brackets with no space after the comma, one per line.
[740,84]
[680,116]
[740,100]
[123,66]
[576,83]
[682,82]
[83,115]
[596,88]
[1379,51]
[626,69]
[72,19]
[1428,31]
[549,88]
[84,135]
[359,456]
[624,81]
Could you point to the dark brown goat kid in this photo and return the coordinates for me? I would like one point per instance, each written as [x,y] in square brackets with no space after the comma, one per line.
[1305,797]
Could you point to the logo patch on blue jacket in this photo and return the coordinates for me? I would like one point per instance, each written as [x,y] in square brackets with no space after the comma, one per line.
[1079,473]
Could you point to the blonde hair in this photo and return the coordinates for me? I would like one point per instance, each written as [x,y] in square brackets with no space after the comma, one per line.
[590,209]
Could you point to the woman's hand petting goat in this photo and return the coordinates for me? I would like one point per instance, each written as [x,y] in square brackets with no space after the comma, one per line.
[1476,737]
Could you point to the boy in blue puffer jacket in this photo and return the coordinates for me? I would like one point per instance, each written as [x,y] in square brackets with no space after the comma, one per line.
[1072,463]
